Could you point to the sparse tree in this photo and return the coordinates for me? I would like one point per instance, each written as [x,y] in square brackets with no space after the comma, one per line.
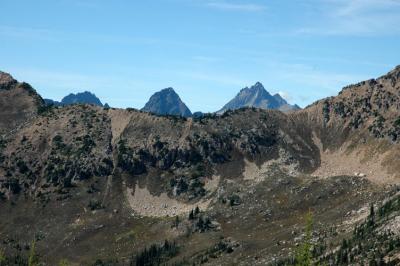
[33,258]
[2,258]
[177,221]
[191,215]
[304,252]
[63,262]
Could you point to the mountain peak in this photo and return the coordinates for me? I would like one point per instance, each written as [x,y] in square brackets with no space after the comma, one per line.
[255,88]
[85,97]
[167,102]
[257,96]
[258,85]
[6,80]
[168,90]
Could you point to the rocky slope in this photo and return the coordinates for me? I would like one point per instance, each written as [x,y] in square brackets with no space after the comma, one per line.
[18,103]
[167,102]
[75,172]
[358,129]
[257,96]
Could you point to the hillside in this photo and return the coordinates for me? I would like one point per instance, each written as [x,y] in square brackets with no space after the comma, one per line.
[103,184]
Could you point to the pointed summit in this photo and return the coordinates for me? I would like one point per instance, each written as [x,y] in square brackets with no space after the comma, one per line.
[257,96]
[167,102]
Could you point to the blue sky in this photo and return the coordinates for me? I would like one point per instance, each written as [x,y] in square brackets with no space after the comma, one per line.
[207,50]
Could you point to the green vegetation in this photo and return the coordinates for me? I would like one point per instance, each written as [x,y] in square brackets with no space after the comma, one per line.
[12,184]
[304,252]
[127,160]
[369,244]
[22,167]
[326,111]
[2,258]
[45,109]
[156,254]
[95,205]
[340,109]
[200,222]
[33,259]
[63,263]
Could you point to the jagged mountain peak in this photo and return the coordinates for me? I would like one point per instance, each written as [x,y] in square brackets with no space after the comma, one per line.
[85,97]
[257,87]
[257,96]
[167,102]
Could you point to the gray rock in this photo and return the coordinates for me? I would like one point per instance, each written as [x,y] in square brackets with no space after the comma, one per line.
[167,102]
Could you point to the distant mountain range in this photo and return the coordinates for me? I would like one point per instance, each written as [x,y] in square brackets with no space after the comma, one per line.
[257,96]
[85,97]
[167,102]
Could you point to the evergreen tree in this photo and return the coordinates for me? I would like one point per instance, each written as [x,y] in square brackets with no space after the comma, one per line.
[2,258]
[33,259]
[176,222]
[304,254]
[63,263]
[191,215]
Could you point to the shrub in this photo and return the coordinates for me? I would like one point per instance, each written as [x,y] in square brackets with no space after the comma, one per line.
[95,205]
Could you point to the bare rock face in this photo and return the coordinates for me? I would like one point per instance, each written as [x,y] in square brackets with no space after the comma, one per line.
[257,96]
[167,102]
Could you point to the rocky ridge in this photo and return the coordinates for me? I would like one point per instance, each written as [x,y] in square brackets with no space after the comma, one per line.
[247,169]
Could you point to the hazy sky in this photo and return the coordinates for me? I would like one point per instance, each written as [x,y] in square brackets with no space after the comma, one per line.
[207,50]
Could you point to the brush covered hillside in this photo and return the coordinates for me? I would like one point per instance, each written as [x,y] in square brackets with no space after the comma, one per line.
[86,185]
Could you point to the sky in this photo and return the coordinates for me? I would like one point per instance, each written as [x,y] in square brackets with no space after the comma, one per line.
[207,50]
